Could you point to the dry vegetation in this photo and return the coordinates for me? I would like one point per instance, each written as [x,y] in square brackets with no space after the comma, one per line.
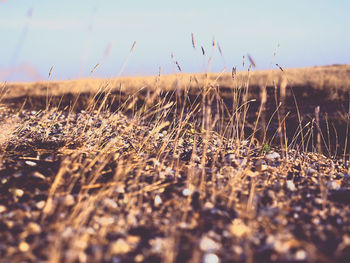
[172,169]
[336,77]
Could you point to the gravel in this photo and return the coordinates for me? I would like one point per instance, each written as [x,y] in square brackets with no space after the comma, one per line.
[93,187]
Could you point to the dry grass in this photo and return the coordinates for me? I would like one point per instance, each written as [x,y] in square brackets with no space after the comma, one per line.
[335,77]
[176,179]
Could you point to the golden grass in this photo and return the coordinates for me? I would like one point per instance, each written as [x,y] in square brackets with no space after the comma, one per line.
[334,77]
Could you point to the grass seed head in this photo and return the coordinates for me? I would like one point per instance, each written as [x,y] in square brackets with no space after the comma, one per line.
[203,51]
[251,60]
[219,48]
[133,47]
[193,42]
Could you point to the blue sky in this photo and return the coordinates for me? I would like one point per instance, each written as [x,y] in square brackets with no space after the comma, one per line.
[73,36]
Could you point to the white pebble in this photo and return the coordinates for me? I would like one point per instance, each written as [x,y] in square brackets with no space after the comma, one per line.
[208,245]
[186,192]
[211,258]
[69,200]
[300,255]
[157,201]
[2,208]
[30,163]
[290,185]
[19,192]
[40,205]
[208,205]
[272,156]
[110,203]
[119,189]
[239,228]
[332,185]
[157,245]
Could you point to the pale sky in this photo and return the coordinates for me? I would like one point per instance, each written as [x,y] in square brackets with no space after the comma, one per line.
[73,36]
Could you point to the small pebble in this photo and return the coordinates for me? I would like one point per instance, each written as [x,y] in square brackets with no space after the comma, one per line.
[157,201]
[40,205]
[110,203]
[34,228]
[260,165]
[331,185]
[238,250]
[2,208]
[23,246]
[210,258]
[18,192]
[208,245]
[18,175]
[133,240]
[30,163]
[310,171]
[339,221]
[239,228]
[119,247]
[105,220]
[139,258]
[69,200]
[300,255]
[208,205]
[157,244]
[186,192]
[4,180]
[38,175]
[272,156]
[290,185]
[120,189]
[316,220]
